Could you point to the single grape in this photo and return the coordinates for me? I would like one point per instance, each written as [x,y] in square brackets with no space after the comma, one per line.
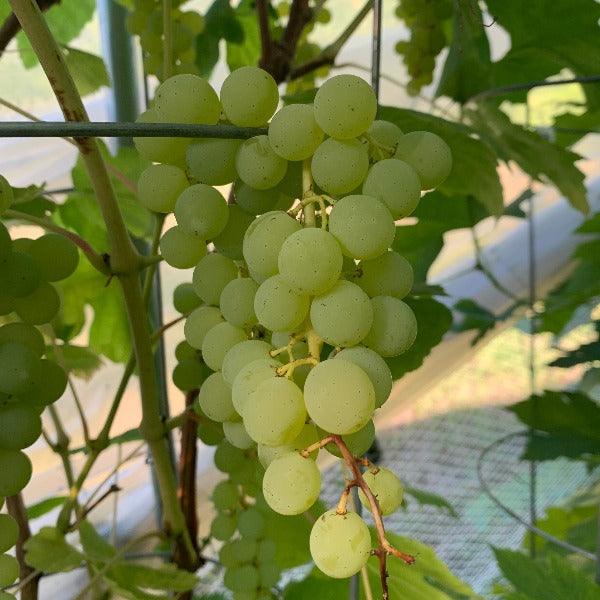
[228,458]
[362,225]
[211,275]
[263,241]
[294,133]
[218,341]
[249,378]
[251,524]
[345,106]
[358,443]
[339,396]
[9,532]
[278,307]
[237,302]
[215,399]
[236,433]
[428,154]
[394,328]
[340,545]
[241,579]
[396,184]
[267,551]
[307,437]
[249,96]
[15,471]
[19,368]
[183,350]
[387,275]
[212,160]
[210,433]
[257,164]
[159,187]
[386,487]
[223,527]
[56,255]
[6,194]
[275,396]
[160,149]
[310,260]
[199,322]
[39,307]
[229,242]
[200,210]
[225,496]
[48,384]
[20,274]
[185,299]
[340,166]
[269,573]
[385,134]
[6,245]
[258,202]
[20,426]
[180,249]
[242,354]
[189,374]
[9,569]
[23,334]
[291,484]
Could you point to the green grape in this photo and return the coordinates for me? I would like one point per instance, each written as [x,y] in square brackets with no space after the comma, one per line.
[251,524]
[225,496]
[340,545]
[374,366]
[218,341]
[342,316]
[180,249]
[236,433]
[345,106]
[24,334]
[187,99]
[20,426]
[428,154]
[215,399]
[228,458]
[257,202]
[9,532]
[263,241]
[22,245]
[160,149]
[9,569]
[339,166]
[339,396]
[48,384]
[310,260]
[201,211]
[237,302]
[387,275]
[210,433]
[229,241]
[386,487]
[212,160]
[227,555]
[199,322]
[20,274]
[56,256]
[267,550]
[159,186]
[269,573]
[15,471]
[275,396]
[242,354]
[223,527]
[358,443]
[19,368]
[189,374]
[394,328]
[291,484]
[211,275]
[307,437]
[183,350]
[249,378]
[244,475]
[6,194]
[6,245]
[257,164]
[39,307]
[278,307]
[7,304]
[362,225]
[385,134]
[241,579]
[294,133]
[193,20]
[185,299]
[396,184]
[249,96]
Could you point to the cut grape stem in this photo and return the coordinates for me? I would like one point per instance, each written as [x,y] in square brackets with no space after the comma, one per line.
[342,507]
[288,370]
[316,446]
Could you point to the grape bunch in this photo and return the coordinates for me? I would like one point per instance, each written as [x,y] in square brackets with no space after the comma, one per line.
[425,20]
[28,381]
[296,300]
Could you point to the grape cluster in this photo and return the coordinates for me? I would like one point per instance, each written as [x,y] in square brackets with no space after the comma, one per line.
[296,299]
[425,20]
[146,21]
[28,381]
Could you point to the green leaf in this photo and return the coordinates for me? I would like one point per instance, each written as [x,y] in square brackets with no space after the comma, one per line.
[88,70]
[95,547]
[433,321]
[39,509]
[166,577]
[474,161]
[48,551]
[539,158]
[247,50]
[423,497]
[476,317]
[31,200]
[317,585]
[570,128]
[82,361]
[585,353]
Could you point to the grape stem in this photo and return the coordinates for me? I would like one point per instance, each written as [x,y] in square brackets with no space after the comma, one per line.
[342,507]
[288,370]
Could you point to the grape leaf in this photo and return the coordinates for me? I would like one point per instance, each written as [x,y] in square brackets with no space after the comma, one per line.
[79,360]
[423,497]
[476,317]
[166,577]
[317,585]
[247,50]
[39,509]
[96,548]
[48,551]
[88,70]
[585,353]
